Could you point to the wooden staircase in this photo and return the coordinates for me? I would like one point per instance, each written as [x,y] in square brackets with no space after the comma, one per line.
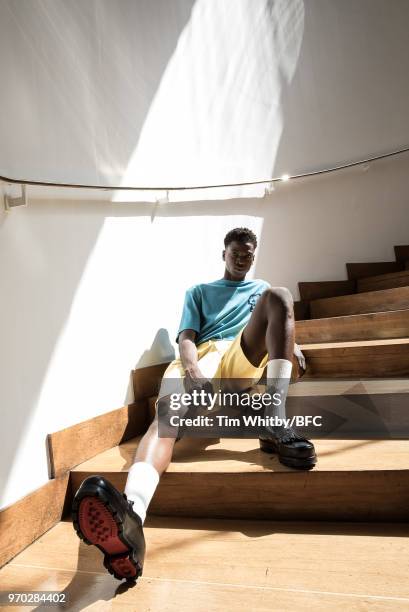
[358,327]
[216,531]
[355,480]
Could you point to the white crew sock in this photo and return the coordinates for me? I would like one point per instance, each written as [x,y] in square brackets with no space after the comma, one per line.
[140,486]
[278,380]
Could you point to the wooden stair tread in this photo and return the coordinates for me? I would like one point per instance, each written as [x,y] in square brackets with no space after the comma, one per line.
[312,387]
[229,455]
[371,386]
[366,326]
[359,303]
[228,565]
[355,344]
[351,409]
[359,480]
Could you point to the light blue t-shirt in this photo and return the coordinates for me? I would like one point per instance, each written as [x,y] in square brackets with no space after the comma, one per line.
[219,310]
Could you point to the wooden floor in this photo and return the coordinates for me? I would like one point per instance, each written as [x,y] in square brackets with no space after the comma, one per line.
[204,564]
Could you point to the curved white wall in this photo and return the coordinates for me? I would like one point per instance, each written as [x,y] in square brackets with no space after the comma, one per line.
[92,289]
[199,92]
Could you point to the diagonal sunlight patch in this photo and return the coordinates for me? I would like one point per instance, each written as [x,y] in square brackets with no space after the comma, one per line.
[216,117]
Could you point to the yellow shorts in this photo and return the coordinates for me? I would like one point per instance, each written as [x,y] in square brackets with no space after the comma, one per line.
[218,359]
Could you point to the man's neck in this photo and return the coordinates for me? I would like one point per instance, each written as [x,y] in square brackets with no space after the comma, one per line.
[230,277]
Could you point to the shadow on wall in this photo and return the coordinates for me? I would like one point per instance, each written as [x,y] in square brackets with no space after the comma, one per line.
[161,350]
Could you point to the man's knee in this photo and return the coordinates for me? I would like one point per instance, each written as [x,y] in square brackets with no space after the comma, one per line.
[279,299]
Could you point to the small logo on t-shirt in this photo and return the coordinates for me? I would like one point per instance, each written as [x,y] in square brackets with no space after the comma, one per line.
[253,300]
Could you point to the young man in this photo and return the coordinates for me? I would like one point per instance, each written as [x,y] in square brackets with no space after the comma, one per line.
[230,328]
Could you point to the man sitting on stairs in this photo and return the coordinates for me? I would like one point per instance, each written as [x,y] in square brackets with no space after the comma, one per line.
[240,327]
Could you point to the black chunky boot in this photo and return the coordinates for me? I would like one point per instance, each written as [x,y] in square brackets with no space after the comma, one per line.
[292,450]
[102,516]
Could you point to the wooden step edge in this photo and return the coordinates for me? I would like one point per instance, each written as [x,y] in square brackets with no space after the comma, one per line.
[365,269]
[334,387]
[363,326]
[243,456]
[369,283]
[355,344]
[392,291]
[382,300]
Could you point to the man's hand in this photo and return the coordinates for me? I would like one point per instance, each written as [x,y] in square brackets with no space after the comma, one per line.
[300,357]
[194,380]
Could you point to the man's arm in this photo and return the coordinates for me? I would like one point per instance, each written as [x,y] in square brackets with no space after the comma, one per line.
[188,352]
[194,379]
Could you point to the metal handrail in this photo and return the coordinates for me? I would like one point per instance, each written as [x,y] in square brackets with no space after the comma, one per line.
[6,179]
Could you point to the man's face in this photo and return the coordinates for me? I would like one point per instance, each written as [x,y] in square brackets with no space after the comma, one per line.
[239,258]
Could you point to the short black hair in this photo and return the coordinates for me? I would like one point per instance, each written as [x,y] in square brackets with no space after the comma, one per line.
[240,234]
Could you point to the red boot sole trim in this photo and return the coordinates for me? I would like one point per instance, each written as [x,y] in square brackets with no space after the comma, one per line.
[99,527]
[122,566]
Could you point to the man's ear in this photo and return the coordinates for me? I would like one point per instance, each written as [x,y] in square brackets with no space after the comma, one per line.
[224,255]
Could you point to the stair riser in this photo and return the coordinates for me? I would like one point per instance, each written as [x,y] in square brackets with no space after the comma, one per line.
[361,361]
[292,495]
[402,253]
[377,283]
[361,303]
[316,290]
[360,416]
[374,326]
[361,270]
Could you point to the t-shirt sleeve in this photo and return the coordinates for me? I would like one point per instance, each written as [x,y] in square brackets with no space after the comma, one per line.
[191,313]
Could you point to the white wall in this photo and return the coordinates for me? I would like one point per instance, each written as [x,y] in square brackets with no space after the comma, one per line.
[91,290]
[198,92]
[188,92]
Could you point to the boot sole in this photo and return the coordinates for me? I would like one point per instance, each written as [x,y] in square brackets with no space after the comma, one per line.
[302,463]
[97,524]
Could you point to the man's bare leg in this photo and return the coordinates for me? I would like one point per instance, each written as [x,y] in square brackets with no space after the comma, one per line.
[104,517]
[271,330]
[155,450]
[152,458]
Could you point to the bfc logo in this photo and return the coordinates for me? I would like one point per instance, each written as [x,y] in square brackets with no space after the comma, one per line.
[252,301]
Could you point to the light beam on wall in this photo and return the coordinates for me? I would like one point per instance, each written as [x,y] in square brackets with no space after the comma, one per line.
[216,116]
